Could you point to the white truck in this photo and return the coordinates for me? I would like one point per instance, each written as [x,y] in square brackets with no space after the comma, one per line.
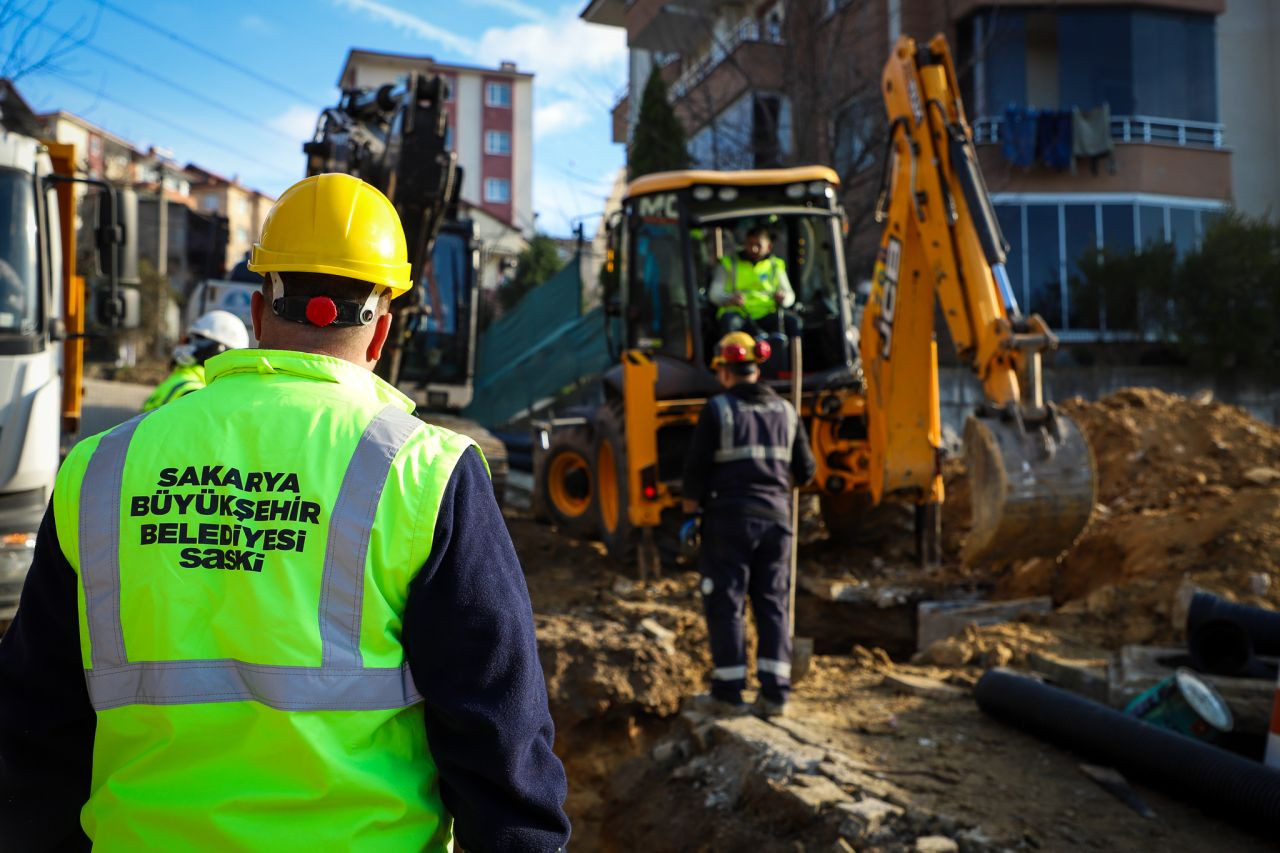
[42,324]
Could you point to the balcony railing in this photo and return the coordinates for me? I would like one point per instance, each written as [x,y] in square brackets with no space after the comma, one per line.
[748,30]
[1147,129]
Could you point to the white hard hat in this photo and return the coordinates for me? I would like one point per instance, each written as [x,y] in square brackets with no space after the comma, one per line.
[221,327]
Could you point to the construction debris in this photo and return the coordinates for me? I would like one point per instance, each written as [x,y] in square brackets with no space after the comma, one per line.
[871,757]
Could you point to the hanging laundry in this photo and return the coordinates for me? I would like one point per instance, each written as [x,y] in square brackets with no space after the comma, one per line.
[1091,131]
[1053,139]
[1018,140]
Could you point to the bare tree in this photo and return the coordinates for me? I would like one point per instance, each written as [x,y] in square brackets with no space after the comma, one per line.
[30,43]
[800,88]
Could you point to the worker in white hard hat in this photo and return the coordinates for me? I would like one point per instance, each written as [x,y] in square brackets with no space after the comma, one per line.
[213,333]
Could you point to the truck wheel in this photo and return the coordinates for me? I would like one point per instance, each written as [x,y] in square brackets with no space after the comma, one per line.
[612,500]
[565,484]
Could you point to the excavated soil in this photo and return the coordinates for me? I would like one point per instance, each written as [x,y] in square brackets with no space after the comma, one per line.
[1189,497]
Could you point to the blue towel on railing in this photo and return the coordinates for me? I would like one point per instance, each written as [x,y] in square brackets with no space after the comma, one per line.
[1053,138]
[1018,142]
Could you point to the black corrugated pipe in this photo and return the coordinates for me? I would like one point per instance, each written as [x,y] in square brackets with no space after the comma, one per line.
[1262,625]
[1223,637]
[1220,782]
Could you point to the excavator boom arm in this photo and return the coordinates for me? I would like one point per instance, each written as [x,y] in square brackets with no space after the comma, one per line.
[1031,471]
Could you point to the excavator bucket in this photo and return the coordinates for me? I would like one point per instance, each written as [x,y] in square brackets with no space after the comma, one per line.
[1032,486]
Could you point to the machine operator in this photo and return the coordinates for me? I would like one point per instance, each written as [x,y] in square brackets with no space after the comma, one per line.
[751,290]
[748,452]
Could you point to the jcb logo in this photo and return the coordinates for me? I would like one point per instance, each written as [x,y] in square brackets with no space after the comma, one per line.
[888,295]
[659,207]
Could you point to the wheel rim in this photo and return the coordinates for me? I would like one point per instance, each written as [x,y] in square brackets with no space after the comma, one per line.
[607,474]
[569,484]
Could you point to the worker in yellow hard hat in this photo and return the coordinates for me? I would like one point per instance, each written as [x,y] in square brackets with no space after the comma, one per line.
[747,452]
[285,609]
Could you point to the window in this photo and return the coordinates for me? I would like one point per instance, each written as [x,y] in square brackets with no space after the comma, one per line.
[497,142]
[657,301]
[1081,241]
[209,202]
[497,190]
[242,235]
[1140,61]
[497,94]
[851,131]
[1044,278]
[19,253]
[450,84]
[1049,237]
[448,137]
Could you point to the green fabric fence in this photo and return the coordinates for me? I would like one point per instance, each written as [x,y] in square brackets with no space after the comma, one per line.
[538,348]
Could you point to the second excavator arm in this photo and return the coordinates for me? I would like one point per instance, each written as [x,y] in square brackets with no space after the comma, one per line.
[1031,471]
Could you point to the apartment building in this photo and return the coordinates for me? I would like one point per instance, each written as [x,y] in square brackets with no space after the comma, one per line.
[490,115]
[244,208]
[193,239]
[1188,92]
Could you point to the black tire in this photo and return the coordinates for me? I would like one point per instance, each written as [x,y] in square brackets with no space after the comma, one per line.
[564,491]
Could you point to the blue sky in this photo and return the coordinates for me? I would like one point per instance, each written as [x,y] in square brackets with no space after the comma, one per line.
[295,49]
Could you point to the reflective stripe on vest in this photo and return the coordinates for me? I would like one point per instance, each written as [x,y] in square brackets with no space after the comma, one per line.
[340,683]
[728,452]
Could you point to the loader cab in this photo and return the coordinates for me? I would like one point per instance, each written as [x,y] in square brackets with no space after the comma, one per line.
[676,230]
[440,353]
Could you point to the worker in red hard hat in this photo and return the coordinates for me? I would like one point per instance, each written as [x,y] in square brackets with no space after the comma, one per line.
[749,449]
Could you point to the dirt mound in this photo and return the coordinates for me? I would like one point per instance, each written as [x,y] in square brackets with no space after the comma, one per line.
[1188,495]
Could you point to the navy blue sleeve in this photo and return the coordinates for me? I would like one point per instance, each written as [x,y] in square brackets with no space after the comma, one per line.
[698,458]
[469,639]
[46,721]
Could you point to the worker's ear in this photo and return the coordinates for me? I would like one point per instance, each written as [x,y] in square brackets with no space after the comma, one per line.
[257,303]
[381,328]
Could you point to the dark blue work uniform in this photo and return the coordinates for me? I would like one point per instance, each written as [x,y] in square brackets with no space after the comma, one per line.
[747,450]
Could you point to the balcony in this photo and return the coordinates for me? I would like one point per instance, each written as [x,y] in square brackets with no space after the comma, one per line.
[748,32]
[1148,130]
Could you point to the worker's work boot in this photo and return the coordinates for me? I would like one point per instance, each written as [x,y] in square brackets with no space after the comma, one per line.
[767,708]
[705,703]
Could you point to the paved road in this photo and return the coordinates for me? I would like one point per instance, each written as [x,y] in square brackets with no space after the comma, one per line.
[109,403]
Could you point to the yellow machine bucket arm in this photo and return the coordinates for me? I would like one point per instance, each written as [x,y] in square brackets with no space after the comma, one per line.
[1031,471]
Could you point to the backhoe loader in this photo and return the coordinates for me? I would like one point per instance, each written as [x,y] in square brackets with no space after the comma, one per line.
[870,401]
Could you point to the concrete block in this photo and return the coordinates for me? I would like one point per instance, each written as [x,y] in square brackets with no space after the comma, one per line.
[937,620]
[1087,677]
[918,685]
[778,754]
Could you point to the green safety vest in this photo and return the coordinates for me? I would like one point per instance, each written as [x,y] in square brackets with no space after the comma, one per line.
[244,563]
[756,282]
[184,379]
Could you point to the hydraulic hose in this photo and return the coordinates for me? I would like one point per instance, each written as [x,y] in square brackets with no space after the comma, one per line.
[1220,782]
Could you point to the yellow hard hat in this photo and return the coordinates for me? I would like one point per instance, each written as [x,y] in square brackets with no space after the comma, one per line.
[740,348]
[335,224]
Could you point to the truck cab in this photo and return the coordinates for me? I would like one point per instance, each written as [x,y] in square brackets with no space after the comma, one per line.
[31,269]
